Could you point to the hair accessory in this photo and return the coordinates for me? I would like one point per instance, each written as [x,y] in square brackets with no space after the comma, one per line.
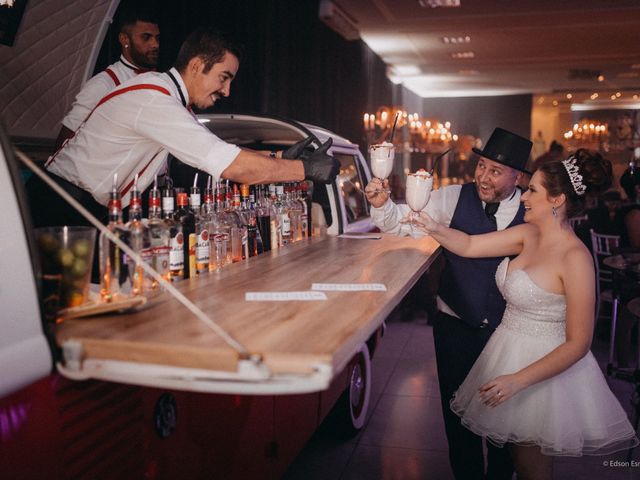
[575,177]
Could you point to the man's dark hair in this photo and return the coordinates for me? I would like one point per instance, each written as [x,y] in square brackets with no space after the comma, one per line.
[136,12]
[207,44]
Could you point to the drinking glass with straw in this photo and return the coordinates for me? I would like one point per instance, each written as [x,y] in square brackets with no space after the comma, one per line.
[382,155]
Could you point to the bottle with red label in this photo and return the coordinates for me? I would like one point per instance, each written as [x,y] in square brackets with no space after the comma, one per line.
[185,217]
[111,256]
[158,237]
[136,236]
[202,229]
[176,237]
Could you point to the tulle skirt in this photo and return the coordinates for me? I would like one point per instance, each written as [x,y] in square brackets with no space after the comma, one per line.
[572,414]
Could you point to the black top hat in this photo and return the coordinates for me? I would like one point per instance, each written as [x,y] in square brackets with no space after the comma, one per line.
[507,148]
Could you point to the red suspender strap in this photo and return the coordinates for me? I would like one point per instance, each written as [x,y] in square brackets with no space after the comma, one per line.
[126,189]
[113,76]
[142,86]
[115,93]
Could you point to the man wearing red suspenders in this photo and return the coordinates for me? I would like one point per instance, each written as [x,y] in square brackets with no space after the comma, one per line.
[139,38]
[133,127]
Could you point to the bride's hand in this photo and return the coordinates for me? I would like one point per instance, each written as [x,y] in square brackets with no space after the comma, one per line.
[421,222]
[500,389]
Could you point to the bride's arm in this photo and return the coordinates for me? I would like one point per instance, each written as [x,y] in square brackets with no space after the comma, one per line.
[495,244]
[578,279]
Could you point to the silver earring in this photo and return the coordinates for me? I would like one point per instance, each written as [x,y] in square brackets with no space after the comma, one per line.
[554,211]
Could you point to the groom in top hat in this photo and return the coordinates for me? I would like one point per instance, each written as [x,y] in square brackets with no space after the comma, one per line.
[470,307]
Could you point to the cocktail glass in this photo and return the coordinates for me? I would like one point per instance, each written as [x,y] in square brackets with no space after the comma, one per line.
[419,186]
[382,156]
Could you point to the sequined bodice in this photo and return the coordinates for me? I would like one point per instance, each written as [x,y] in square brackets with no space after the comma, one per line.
[530,309]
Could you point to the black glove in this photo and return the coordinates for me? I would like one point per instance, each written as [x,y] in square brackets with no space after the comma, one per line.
[321,167]
[297,150]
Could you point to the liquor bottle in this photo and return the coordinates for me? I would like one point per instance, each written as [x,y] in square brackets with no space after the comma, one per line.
[221,217]
[176,237]
[263,219]
[168,200]
[236,226]
[295,212]
[219,239]
[135,240]
[284,220]
[253,206]
[273,214]
[202,230]
[111,256]
[249,218]
[158,237]
[305,199]
[185,217]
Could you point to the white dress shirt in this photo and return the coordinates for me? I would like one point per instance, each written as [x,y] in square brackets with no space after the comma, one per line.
[95,89]
[131,133]
[441,207]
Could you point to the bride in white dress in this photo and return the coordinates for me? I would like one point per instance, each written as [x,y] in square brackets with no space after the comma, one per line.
[536,386]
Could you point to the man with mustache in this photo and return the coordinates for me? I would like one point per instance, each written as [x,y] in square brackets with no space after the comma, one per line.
[139,38]
[469,303]
[133,127]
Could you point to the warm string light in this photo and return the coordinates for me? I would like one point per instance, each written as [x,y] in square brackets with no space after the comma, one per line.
[423,132]
[588,131]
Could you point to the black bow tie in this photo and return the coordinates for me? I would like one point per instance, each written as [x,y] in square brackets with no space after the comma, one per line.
[490,210]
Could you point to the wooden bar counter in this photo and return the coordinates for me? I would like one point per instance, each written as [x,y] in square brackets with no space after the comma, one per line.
[288,338]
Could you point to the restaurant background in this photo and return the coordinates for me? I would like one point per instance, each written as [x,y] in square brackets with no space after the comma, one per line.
[296,67]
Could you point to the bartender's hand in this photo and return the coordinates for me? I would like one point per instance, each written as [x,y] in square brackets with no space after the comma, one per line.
[319,166]
[377,192]
[298,150]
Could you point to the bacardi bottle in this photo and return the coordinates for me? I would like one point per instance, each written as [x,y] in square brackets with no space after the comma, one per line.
[158,237]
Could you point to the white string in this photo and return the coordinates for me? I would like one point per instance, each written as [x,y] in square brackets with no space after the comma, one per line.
[232,342]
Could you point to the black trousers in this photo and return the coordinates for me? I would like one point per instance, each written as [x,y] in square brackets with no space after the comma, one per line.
[48,209]
[457,346]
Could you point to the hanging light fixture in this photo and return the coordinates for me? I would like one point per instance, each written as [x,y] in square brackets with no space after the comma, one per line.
[8,3]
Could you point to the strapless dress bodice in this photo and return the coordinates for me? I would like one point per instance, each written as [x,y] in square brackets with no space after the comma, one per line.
[530,309]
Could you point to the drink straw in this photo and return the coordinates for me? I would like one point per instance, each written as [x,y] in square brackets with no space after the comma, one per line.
[433,167]
[393,129]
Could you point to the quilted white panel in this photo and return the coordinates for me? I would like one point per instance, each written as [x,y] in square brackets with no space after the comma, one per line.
[53,55]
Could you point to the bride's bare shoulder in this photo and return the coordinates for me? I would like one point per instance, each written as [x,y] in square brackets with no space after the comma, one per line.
[577,255]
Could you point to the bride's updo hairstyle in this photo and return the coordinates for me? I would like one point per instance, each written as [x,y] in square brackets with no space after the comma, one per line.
[583,174]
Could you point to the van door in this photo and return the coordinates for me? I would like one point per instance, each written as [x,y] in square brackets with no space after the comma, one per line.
[25,355]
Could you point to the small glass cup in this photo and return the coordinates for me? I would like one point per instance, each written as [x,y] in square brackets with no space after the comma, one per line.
[66,258]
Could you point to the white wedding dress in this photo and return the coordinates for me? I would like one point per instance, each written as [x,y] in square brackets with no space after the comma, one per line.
[573,413]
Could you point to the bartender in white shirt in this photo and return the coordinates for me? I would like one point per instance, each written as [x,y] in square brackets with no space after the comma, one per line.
[139,38]
[470,306]
[132,128]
